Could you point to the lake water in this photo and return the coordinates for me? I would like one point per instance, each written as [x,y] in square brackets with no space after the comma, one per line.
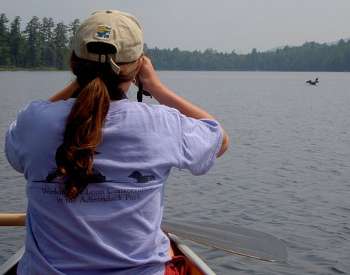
[287,172]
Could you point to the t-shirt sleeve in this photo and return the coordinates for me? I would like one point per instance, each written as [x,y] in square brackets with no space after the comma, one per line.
[12,148]
[17,134]
[200,142]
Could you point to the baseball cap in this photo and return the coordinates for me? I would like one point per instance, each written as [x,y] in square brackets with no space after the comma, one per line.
[109,36]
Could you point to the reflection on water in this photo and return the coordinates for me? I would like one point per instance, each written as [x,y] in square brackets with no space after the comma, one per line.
[287,172]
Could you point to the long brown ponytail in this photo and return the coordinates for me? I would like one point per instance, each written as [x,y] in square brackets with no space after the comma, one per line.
[82,135]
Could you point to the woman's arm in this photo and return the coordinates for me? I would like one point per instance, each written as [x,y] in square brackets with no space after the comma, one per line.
[66,93]
[152,84]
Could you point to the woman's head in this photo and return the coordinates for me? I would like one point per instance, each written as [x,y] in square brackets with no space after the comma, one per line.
[112,37]
[86,71]
[107,51]
[108,44]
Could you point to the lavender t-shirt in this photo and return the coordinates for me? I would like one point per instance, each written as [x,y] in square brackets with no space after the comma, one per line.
[113,227]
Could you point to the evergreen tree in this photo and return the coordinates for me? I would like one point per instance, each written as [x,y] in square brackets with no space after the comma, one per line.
[4,44]
[47,42]
[17,43]
[33,45]
[73,28]
[60,41]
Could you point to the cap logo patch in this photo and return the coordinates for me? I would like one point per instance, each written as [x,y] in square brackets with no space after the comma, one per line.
[103,32]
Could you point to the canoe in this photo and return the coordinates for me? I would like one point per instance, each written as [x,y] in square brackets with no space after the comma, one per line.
[196,264]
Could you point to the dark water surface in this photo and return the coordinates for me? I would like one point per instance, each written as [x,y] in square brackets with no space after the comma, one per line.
[287,172]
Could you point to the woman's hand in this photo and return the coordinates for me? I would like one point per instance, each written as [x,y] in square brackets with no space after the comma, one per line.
[66,93]
[148,76]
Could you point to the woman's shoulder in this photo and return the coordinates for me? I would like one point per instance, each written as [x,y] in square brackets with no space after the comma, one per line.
[142,117]
[42,105]
[38,112]
[152,108]
[143,109]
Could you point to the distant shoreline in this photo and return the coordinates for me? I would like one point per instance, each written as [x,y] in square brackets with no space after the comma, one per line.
[38,50]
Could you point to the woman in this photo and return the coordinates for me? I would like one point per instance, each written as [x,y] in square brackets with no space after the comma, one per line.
[96,163]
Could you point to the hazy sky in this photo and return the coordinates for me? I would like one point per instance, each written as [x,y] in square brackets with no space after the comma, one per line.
[225,25]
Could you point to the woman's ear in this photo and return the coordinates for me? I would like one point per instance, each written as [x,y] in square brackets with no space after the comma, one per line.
[130,70]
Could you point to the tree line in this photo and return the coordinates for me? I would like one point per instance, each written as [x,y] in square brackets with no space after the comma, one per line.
[44,44]
[309,57]
[41,44]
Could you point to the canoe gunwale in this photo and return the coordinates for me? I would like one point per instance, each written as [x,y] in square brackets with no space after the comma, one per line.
[10,266]
[191,256]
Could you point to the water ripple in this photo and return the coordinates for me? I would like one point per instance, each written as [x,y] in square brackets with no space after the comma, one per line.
[286,174]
